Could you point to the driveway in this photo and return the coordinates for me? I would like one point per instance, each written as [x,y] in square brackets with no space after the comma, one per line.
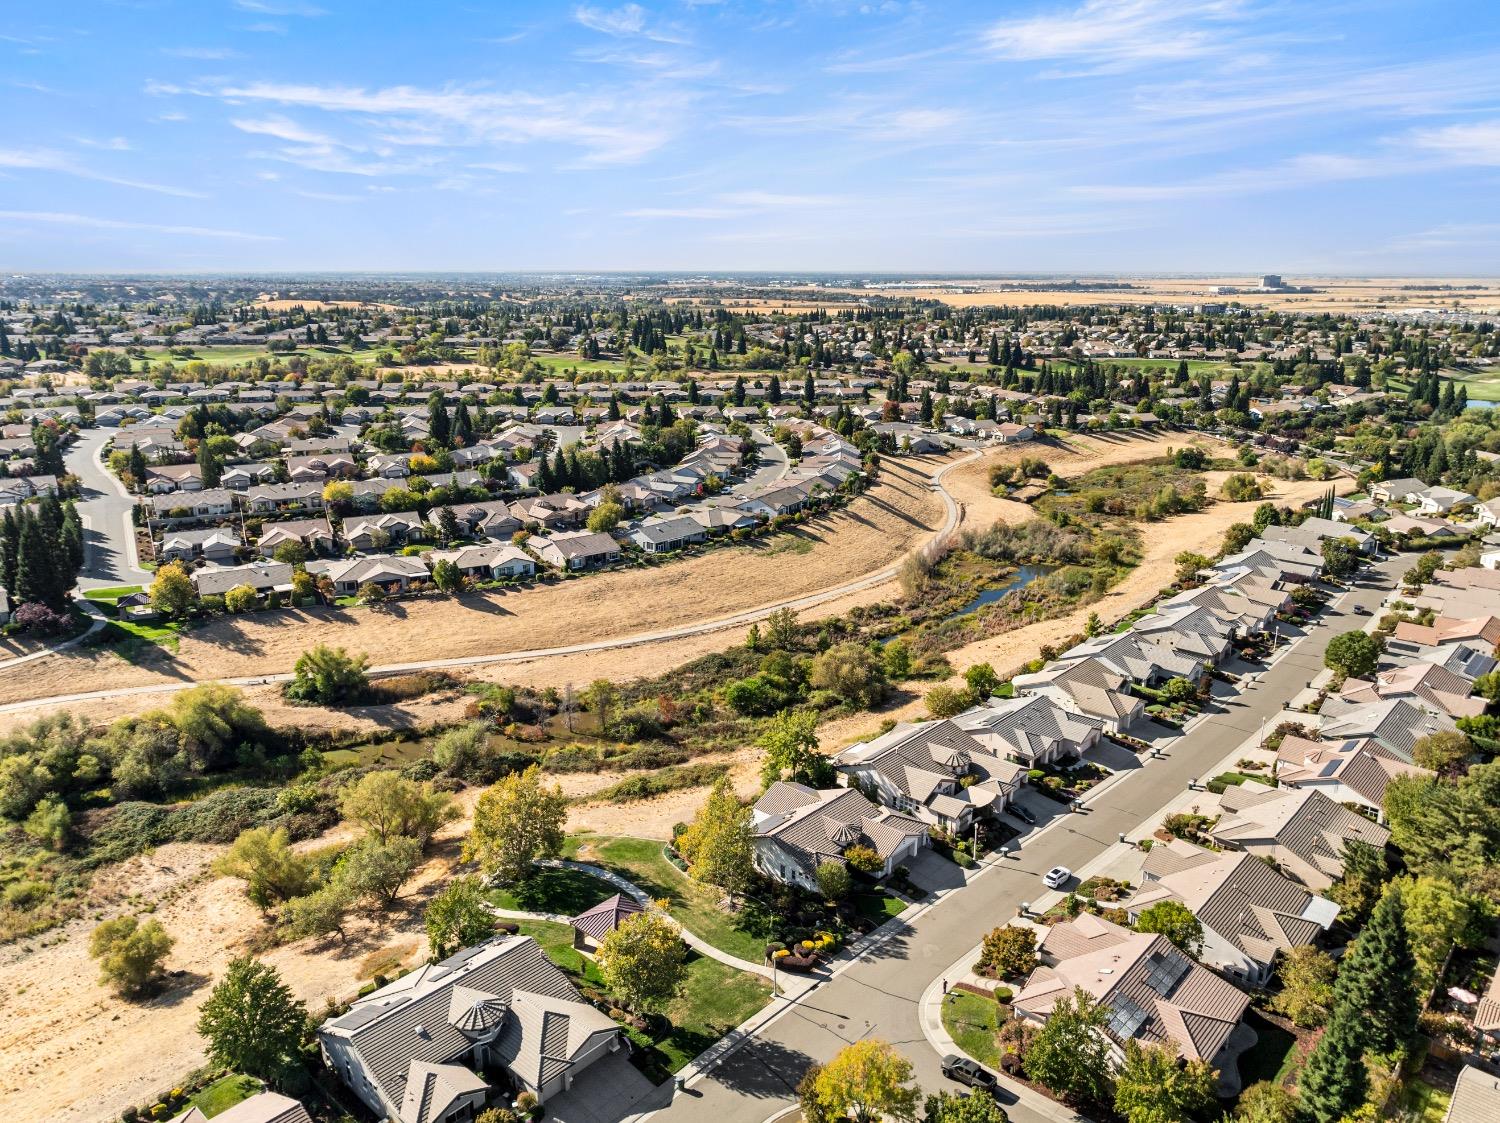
[608,1089]
[105,508]
[933,872]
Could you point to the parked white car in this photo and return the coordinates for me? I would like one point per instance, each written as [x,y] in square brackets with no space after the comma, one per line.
[1057,877]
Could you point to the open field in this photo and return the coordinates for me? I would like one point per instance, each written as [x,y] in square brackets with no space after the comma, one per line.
[1334,294]
[872,532]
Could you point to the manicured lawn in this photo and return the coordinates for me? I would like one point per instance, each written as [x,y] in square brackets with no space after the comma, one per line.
[563,892]
[692,905]
[1274,1054]
[714,1000]
[972,1022]
[126,636]
[111,594]
[1425,1103]
[878,907]
[224,1093]
[1229,779]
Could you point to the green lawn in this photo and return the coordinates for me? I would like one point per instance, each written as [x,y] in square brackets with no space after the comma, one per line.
[224,1093]
[564,892]
[111,595]
[878,907]
[693,906]
[972,1022]
[130,634]
[714,1000]
[1425,1103]
[1274,1054]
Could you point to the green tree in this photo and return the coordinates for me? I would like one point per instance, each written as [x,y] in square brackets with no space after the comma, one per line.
[1352,654]
[1306,986]
[1376,986]
[781,629]
[323,912]
[605,517]
[790,745]
[1070,1054]
[1437,915]
[866,1082]
[456,918]
[643,961]
[982,681]
[172,592]
[976,1107]
[516,822]
[1334,1080]
[464,751]
[833,880]
[329,676]
[851,671]
[1188,565]
[948,701]
[50,823]
[1365,872]
[717,844]
[390,806]
[1009,952]
[1266,1102]
[1443,752]
[272,871]
[378,869]
[1152,1087]
[130,953]
[241,598]
[1176,922]
[252,1022]
[1341,557]
[447,576]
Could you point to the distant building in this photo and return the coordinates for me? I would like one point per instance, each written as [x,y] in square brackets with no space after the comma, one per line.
[1271,281]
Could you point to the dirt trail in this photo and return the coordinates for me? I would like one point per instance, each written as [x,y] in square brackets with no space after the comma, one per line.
[875,530]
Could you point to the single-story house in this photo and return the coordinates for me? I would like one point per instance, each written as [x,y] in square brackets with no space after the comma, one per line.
[798,828]
[577,549]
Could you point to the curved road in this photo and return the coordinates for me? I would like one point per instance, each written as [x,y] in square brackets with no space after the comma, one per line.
[952,517]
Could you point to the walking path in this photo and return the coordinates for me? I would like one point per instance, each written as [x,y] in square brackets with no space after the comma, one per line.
[702,627]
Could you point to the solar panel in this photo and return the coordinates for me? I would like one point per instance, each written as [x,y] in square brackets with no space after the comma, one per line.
[1125,1019]
[1164,972]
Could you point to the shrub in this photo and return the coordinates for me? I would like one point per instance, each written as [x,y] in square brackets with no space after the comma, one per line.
[948,701]
[130,953]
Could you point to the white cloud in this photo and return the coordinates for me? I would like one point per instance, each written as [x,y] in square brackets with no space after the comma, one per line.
[627,20]
[279,8]
[1117,33]
[44,160]
[1449,235]
[60,218]
[282,128]
[732,204]
[331,197]
[591,122]
[1476,143]
[623,22]
[112,144]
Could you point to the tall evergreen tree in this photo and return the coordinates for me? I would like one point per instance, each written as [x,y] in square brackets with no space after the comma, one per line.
[438,425]
[1377,980]
[1334,1081]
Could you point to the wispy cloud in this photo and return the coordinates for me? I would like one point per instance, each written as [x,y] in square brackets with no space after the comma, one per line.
[1118,34]
[61,218]
[112,144]
[1476,143]
[731,204]
[282,128]
[1448,235]
[280,8]
[629,20]
[49,161]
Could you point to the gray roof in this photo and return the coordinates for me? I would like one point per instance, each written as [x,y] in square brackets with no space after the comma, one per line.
[1476,1097]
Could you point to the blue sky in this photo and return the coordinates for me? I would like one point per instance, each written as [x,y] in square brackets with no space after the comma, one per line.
[1038,135]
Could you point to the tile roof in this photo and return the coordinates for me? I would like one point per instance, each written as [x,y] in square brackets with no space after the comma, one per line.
[1303,821]
[1154,992]
[1476,1097]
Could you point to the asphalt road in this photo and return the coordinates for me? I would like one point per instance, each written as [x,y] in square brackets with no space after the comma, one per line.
[878,996]
[105,508]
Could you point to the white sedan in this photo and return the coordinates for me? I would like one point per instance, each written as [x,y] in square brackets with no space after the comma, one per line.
[1057,877]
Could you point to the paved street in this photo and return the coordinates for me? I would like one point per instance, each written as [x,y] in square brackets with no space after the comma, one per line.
[878,995]
[105,508]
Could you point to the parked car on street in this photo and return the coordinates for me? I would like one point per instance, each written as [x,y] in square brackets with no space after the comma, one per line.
[970,1072]
[1057,877]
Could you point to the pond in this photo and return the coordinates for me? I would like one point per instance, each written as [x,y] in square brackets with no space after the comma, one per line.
[1023,576]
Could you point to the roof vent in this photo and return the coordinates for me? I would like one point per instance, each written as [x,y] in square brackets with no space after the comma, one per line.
[420,1031]
[1102,971]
